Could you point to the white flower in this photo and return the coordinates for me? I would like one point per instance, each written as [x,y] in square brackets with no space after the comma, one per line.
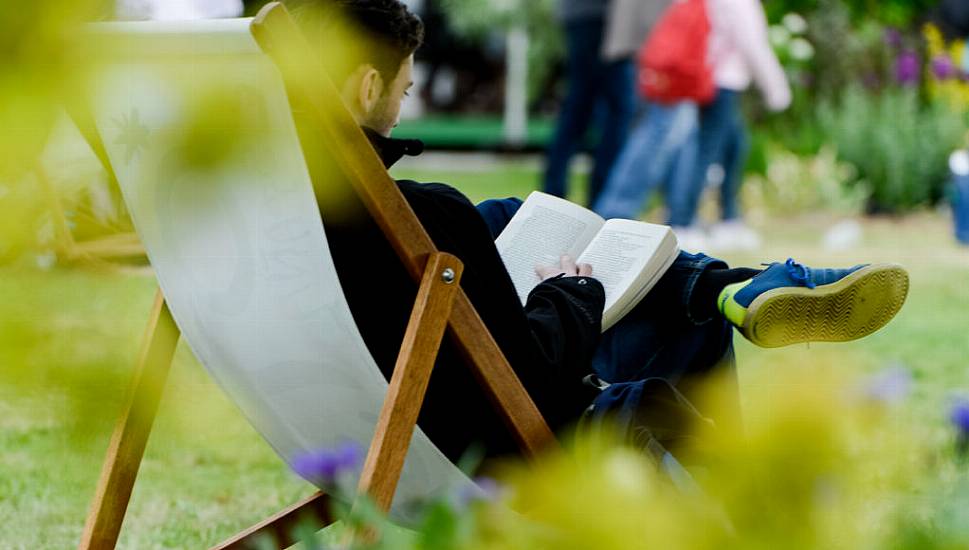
[801,49]
[794,23]
[959,162]
[505,6]
[779,36]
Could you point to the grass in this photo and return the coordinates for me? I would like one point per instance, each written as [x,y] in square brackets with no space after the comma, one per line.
[68,339]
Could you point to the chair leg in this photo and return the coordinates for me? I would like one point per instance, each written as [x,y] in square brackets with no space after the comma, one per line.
[398,416]
[131,433]
[312,512]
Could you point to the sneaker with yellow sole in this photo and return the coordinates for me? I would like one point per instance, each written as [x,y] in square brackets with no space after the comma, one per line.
[789,303]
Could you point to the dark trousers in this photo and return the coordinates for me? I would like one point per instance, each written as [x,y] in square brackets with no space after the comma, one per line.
[661,337]
[592,83]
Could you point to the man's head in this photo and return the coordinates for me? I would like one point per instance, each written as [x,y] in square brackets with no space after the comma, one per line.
[368,48]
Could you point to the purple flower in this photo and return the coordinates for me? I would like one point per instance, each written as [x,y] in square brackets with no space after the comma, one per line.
[325,466]
[960,417]
[942,67]
[907,68]
[490,489]
[892,37]
[485,489]
[890,385]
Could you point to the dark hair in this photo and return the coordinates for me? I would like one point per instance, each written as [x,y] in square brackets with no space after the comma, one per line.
[389,30]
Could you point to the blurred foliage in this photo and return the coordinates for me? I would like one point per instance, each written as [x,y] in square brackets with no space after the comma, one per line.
[947,63]
[847,52]
[899,145]
[898,13]
[823,463]
[888,98]
[794,183]
[37,71]
[22,218]
[796,49]
[478,18]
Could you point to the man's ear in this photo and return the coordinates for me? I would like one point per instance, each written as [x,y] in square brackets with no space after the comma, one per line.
[370,89]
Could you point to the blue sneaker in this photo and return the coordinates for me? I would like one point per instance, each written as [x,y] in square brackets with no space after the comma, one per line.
[789,303]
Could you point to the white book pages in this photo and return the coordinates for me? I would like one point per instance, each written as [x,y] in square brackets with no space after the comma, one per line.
[543,230]
[238,245]
[621,254]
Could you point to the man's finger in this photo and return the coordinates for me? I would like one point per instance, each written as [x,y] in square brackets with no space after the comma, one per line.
[585,270]
[547,271]
[568,265]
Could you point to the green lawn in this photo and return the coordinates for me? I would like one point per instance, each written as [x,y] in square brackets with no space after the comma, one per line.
[68,339]
[471,132]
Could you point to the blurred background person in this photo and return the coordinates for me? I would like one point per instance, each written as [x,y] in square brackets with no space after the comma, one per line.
[601,37]
[739,52]
[959,193]
[952,19]
[674,77]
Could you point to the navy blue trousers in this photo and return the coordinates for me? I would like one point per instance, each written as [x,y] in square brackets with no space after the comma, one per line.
[596,89]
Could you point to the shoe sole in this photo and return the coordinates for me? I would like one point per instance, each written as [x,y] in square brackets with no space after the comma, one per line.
[852,308]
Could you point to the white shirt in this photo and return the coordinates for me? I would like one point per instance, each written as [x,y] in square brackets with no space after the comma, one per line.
[740,51]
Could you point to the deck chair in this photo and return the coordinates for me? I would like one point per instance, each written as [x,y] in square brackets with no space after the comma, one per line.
[245,275]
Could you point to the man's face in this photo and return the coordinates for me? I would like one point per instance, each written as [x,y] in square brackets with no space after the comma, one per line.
[385,114]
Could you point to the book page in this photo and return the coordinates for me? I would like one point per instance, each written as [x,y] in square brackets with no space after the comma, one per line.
[543,230]
[621,254]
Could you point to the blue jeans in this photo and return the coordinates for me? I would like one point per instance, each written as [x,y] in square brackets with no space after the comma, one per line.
[659,337]
[662,149]
[592,82]
[960,207]
[723,141]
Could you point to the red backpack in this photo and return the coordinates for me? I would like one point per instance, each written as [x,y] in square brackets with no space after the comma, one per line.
[673,59]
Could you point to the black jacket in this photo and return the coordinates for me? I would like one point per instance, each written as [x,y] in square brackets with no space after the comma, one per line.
[549,342]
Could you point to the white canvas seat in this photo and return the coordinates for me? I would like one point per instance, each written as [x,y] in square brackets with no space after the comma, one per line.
[235,236]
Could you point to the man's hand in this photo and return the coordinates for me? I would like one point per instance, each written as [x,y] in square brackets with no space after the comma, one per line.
[567,266]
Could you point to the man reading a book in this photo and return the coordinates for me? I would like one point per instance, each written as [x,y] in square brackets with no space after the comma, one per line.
[681,331]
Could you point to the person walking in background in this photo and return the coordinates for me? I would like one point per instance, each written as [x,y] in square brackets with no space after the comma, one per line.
[628,24]
[599,69]
[739,52]
[674,77]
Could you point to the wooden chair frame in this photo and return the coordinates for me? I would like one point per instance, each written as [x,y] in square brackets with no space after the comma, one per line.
[440,304]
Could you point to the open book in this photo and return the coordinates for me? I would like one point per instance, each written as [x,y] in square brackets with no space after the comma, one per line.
[626,256]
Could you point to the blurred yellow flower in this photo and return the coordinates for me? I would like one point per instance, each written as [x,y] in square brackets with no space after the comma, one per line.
[812,469]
